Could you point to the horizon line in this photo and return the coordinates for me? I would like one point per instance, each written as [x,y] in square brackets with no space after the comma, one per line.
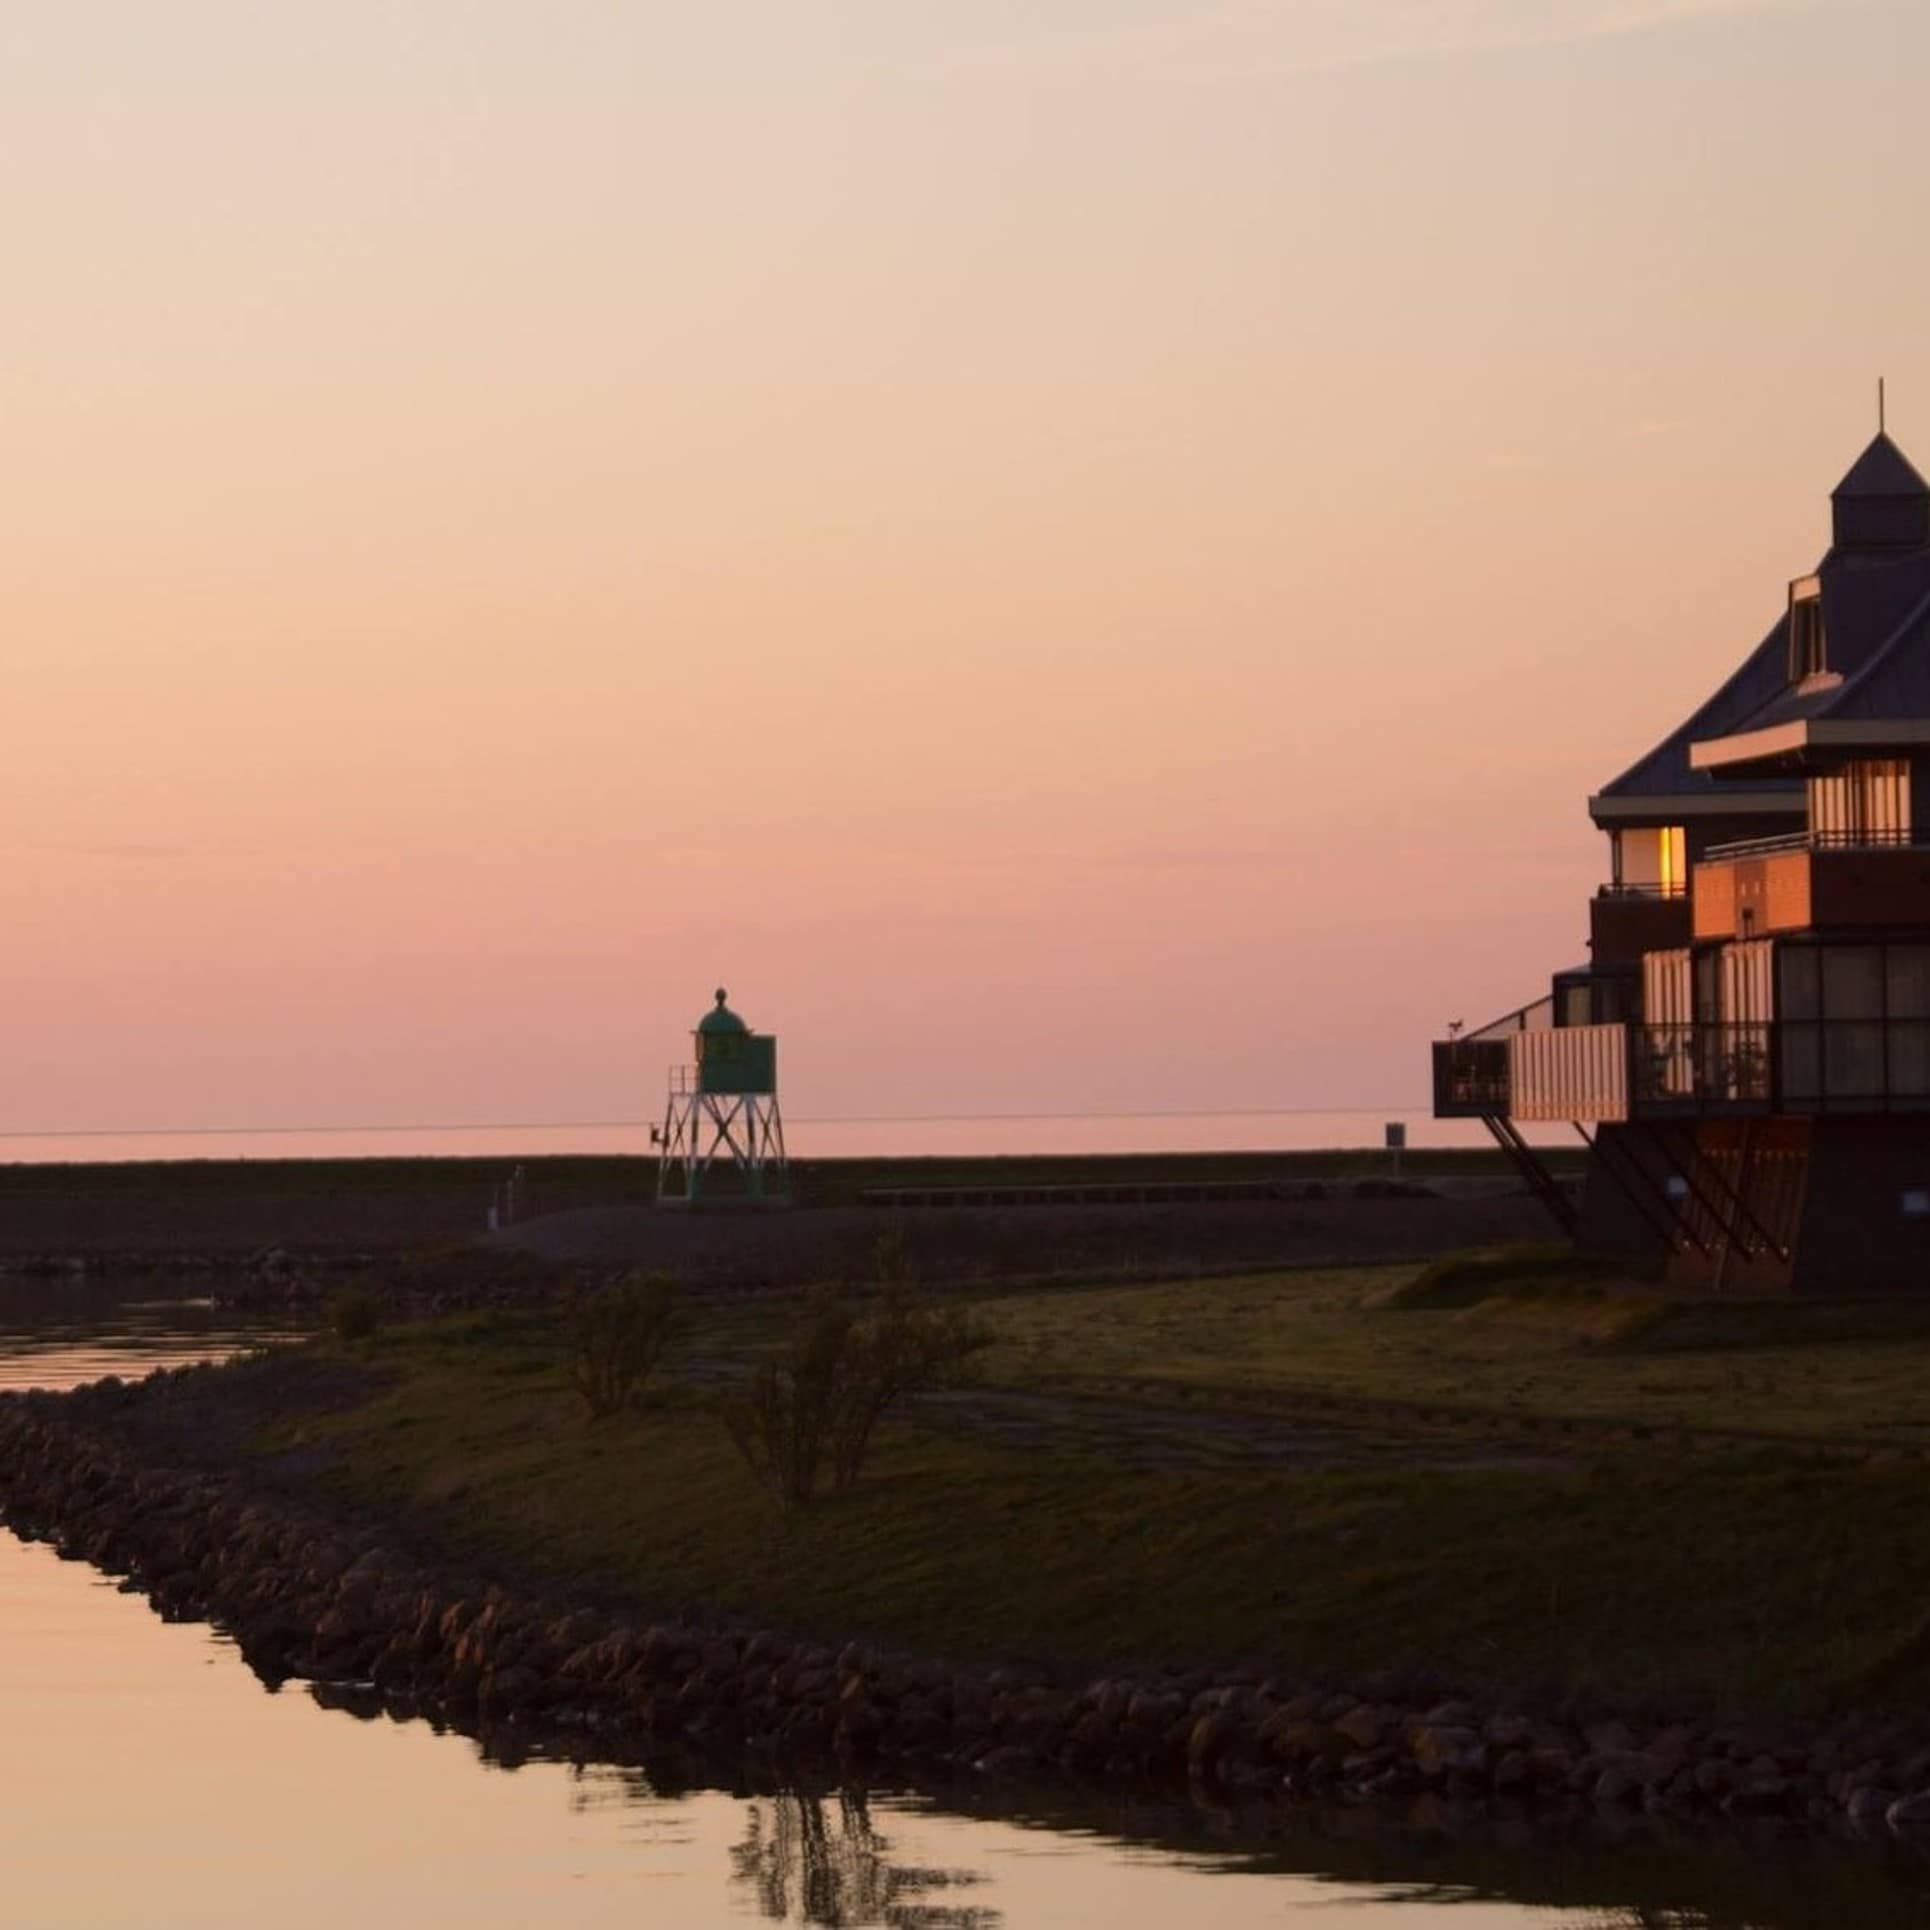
[632,1125]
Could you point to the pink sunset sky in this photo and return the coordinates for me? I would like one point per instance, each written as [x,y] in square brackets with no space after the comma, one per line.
[1078,554]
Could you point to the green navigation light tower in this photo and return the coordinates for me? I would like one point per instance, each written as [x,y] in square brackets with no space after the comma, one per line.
[723,1136]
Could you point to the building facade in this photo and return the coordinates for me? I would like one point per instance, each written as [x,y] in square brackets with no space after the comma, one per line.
[1747,1049]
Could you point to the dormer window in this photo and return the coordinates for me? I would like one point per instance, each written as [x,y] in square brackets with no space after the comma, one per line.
[1808,655]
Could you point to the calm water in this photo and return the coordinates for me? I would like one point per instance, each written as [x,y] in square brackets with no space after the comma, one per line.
[1153,1132]
[147,1779]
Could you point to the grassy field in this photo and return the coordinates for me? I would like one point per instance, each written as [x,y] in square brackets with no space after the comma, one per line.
[1549,1495]
[1560,1350]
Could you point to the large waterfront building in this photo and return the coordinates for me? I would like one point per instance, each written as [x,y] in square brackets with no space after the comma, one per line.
[1747,1049]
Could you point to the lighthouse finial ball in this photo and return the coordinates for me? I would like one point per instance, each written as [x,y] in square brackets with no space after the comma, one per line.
[722,995]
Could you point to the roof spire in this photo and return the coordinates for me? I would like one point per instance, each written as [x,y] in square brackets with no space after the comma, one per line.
[1882,423]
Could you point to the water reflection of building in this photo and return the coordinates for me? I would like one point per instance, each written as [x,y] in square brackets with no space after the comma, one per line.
[809,1860]
[1748,1046]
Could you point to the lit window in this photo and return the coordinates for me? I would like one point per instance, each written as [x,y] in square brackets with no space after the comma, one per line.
[1673,859]
[1652,862]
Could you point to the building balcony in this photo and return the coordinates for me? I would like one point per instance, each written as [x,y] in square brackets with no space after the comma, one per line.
[1624,921]
[1801,1066]
[1595,1073]
[1811,881]
[1540,1072]
[1471,1079]
[1702,1069]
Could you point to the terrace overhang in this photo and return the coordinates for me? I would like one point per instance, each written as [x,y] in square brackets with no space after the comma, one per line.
[1687,806]
[1781,748]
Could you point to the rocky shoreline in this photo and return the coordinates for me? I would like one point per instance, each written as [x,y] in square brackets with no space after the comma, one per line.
[348,1604]
[272,1270]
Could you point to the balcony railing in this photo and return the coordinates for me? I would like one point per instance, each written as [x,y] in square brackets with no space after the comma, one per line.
[1703,1068]
[1471,1071]
[1534,1072]
[1577,1072]
[1788,1066]
[1608,1072]
[1870,840]
[1471,1078]
[1618,889]
[1536,1016]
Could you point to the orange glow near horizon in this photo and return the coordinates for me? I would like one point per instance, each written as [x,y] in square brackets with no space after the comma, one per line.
[1077,556]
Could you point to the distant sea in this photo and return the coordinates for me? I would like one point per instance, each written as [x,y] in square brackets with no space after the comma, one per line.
[1020,1133]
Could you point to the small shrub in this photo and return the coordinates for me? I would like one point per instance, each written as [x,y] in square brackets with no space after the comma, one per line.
[354,1311]
[781,1420]
[907,1347]
[617,1336]
[818,1406]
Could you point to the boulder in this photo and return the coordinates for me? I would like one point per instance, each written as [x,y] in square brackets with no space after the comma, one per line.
[1868,1806]
[1441,1748]
[1909,1815]
[1362,1726]
[1291,1738]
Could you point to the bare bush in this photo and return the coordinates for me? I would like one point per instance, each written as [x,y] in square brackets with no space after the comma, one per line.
[818,1406]
[617,1336]
[354,1310]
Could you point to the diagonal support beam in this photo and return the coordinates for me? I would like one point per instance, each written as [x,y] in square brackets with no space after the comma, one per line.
[1676,1209]
[1652,1205]
[1699,1160]
[1541,1182]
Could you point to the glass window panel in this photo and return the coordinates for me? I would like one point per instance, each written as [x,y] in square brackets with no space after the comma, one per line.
[1827,812]
[1887,811]
[1641,859]
[1708,986]
[1665,987]
[1802,1047]
[1910,1058]
[1852,982]
[1745,981]
[1808,646]
[1907,968]
[1672,859]
[1867,802]
[1797,966]
[1852,1060]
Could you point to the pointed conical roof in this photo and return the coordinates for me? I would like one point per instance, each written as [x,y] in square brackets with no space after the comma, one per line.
[1881,470]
